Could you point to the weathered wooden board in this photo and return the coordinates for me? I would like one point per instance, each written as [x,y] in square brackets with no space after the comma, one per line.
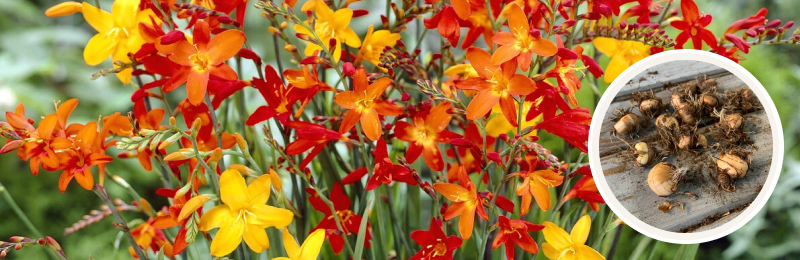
[714,206]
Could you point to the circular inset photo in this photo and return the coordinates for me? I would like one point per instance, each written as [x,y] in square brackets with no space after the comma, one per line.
[686,146]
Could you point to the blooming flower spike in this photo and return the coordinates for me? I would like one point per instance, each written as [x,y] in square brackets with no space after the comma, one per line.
[243,214]
[435,244]
[520,43]
[308,251]
[364,105]
[561,245]
[515,231]
[465,203]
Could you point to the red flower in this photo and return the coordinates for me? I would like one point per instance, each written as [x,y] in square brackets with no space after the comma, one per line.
[515,231]
[446,23]
[435,244]
[754,20]
[311,135]
[350,220]
[571,125]
[279,98]
[693,26]
[385,170]
[586,190]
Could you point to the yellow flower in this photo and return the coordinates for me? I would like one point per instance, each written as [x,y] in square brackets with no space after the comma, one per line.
[244,214]
[563,246]
[330,25]
[117,33]
[499,125]
[308,251]
[375,42]
[623,54]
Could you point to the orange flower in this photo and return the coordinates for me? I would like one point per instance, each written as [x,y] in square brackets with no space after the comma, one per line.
[536,184]
[465,203]
[87,151]
[204,57]
[427,130]
[150,234]
[494,84]
[520,42]
[40,146]
[364,106]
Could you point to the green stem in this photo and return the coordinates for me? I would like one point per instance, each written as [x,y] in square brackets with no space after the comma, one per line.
[24,218]
[101,192]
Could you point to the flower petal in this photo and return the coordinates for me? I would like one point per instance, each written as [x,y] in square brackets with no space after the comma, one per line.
[313,244]
[556,237]
[580,232]
[466,222]
[482,104]
[228,238]
[271,216]
[256,238]
[216,217]
[371,124]
[98,18]
[224,45]
[258,190]
[98,49]
[292,249]
[233,189]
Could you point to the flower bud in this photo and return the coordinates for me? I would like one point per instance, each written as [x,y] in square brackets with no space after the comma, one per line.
[63,9]
[348,69]
[240,142]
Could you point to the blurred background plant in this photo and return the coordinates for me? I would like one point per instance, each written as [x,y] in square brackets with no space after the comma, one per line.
[41,61]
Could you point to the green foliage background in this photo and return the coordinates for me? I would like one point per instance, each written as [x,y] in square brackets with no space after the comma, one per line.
[41,61]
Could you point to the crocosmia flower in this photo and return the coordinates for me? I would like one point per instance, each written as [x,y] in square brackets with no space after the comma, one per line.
[561,245]
[428,130]
[364,105]
[330,25]
[200,59]
[465,203]
[515,232]
[623,54]
[496,84]
[117,33]
[243,214]
[693,26]
[435,244]
[537,184]
[520,43]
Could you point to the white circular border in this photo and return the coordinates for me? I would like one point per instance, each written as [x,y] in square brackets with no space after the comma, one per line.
[724,229]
